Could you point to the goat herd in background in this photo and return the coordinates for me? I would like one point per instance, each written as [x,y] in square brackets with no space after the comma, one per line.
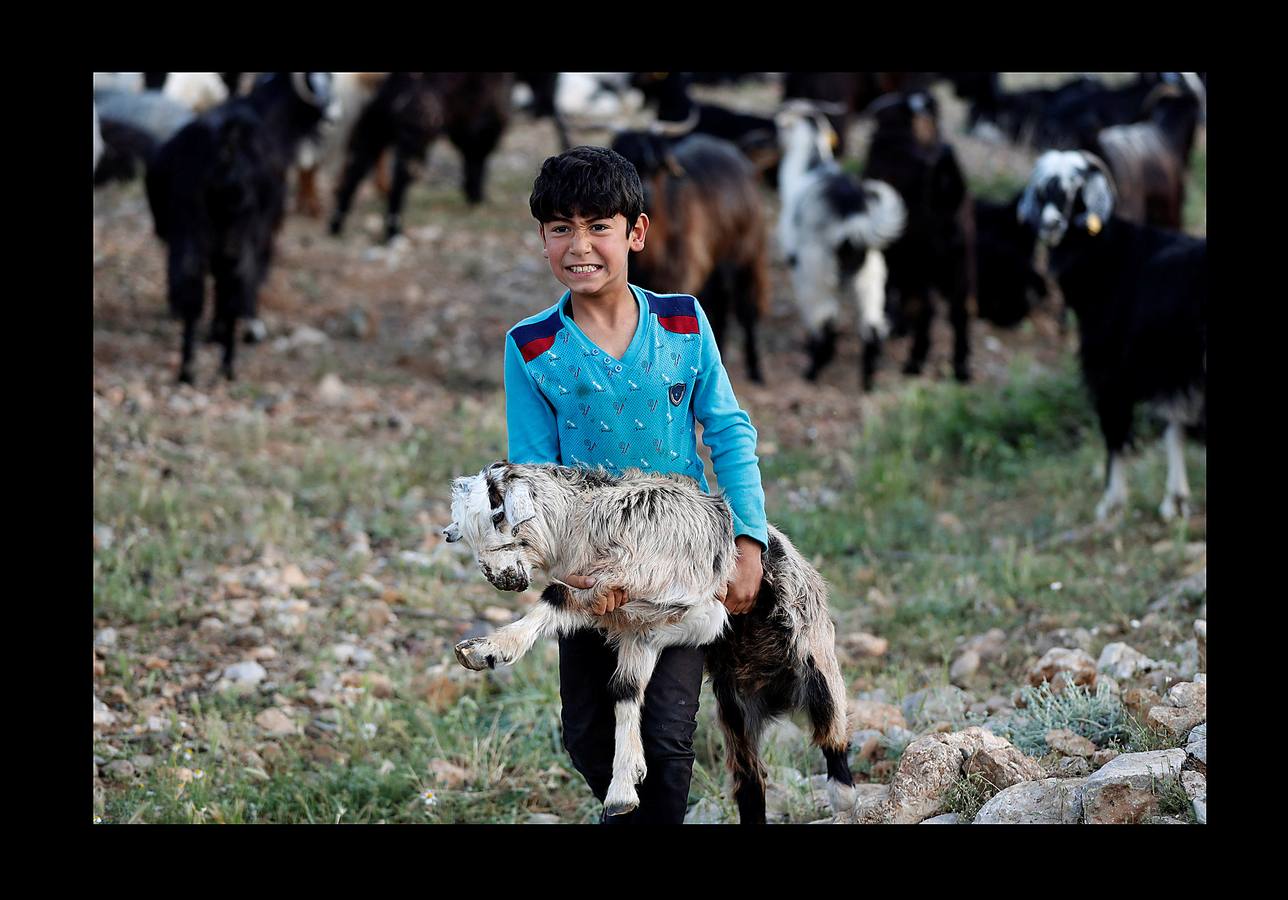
[1105,200]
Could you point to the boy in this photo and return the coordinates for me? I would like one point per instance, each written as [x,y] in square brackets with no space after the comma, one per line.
[616,376]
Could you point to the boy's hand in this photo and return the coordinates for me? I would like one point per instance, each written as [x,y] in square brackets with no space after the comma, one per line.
[739,595]
[612,600]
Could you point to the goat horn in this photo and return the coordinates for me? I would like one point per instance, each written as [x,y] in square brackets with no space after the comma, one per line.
[665,128]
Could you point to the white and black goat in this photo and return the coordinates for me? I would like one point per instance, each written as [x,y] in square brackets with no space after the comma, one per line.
[410,110]
[707,234]
[1140,294]
[671,546]
[832,229]
[217,191]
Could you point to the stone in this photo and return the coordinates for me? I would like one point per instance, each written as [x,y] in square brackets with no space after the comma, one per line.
[1062,638]
[1196,744]
[105,638]
[1123,791]
[989,645]
[1188,695]
[946,702]
[119,770]
[862,644]
[142,762]
[1200,809]
[865,714]
[1122,661]
[1103,757]
[275,722]
[378,614]
[1071,767]
[242,612]
[964,667]
[1187,658]
[1062,667]
[1176,722]
[1139,701]
[1002,766]
[707,812]
[1195,785]
[544,819]
[997,703]
[1050,801]
[927,769]
[945,819]
[103,715]
[784,739]
[210,627]
[1200,638]
[245,674]
[331,390]
[1068,743]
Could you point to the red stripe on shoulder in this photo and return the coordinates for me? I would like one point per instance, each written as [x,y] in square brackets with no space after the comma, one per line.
[535,348]
[679,324]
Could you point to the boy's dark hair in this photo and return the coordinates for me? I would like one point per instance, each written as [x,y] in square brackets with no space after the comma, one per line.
[593,182]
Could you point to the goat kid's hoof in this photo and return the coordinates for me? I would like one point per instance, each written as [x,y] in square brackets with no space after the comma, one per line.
[477,654]
[619,803]
[185,377]
[912,368]
[255,331]
[1174,507]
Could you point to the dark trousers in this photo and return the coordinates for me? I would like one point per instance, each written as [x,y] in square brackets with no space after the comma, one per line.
[667,723]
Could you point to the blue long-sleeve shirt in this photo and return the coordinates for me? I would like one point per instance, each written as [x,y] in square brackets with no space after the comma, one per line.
[568,401]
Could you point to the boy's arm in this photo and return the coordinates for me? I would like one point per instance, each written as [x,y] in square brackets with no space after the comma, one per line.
[728,431]
[531,426]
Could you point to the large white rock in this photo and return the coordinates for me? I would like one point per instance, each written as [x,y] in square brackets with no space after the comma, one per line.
[945,819]
[946,703]
[927,769]
[1122,661]
[1123,790]
[1051,801]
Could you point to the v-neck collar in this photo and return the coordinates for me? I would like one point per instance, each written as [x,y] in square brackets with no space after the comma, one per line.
[641,326]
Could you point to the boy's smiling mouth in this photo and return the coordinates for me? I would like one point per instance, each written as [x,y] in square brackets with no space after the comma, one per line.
[585,269]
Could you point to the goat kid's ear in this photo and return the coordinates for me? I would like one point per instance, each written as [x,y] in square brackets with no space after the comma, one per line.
[518,504]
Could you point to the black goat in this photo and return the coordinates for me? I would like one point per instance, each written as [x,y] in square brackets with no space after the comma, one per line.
[933,253]
[707,232]
[678,114]
[1007,285]
[1065,117]
[217,192]
[1140,294]
[408,112]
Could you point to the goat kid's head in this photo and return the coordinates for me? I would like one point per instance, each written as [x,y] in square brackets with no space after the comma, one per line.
[487,510]
[1068,188]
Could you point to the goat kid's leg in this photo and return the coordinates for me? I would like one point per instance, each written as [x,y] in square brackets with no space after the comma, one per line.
[741,725]
[825,703]
[508,644]
[361,156]
[636,659]
[957,316]
[403,176]
[1176,499]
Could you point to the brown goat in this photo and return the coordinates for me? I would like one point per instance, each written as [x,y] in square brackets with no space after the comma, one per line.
[707,234]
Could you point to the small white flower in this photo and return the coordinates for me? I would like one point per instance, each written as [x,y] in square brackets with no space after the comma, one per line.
[1057,585]
[98,820]
[428,797]
[369,730]
[198,774]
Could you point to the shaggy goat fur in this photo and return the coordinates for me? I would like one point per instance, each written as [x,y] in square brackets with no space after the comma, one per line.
[409,111]
[217,192]
[671,546]
[832,229]
[707,234]
[1140,294]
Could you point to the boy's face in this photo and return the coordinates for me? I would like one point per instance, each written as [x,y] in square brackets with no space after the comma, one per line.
[588,256]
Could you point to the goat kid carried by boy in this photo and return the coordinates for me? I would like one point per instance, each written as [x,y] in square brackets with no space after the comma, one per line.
[671,546]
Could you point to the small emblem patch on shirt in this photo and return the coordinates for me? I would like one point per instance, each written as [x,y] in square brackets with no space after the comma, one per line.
[676,393]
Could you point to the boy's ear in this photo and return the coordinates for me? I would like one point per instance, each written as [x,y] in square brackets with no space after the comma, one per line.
[637,233]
